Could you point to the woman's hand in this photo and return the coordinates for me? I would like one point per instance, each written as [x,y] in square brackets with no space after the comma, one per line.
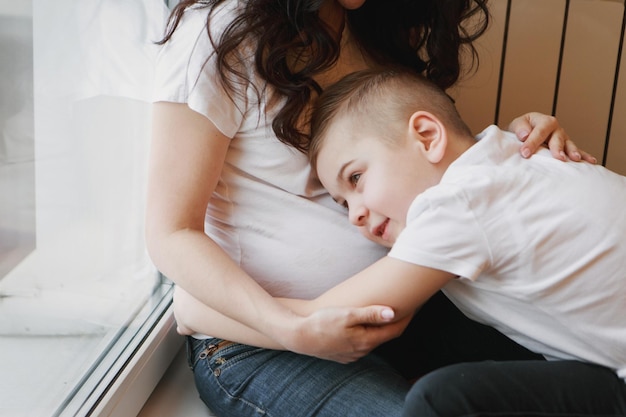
[344,334]
[535,129]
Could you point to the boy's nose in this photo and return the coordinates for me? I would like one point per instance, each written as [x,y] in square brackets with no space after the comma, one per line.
[358,216]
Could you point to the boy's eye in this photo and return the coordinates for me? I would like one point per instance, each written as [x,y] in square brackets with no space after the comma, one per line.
[354,178]
[342,203]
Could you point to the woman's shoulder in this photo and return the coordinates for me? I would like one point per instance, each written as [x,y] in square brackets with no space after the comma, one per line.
[190,47]
[186,71]
[197,18]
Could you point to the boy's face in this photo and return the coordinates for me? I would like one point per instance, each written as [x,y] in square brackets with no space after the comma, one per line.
[377,181]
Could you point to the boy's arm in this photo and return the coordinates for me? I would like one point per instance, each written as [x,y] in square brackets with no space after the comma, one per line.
[403,286]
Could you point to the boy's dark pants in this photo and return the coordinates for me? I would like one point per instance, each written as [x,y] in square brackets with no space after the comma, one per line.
[464,368]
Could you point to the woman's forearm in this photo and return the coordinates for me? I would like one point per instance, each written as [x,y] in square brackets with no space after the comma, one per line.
[338,334]
[192,316]
[226,302]
[187,154]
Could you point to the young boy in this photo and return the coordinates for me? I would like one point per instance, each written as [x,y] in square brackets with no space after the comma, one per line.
[535,248]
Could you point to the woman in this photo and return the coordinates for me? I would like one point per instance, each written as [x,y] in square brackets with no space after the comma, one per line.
[236,218]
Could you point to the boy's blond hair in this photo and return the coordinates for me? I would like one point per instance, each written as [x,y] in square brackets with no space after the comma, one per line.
[381,101]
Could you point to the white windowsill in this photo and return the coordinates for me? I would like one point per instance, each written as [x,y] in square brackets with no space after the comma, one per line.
[133,386]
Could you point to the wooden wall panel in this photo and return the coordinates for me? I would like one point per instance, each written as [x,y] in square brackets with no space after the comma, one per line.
[588,72]
[476,94]
[555,66]
[532,58]
[616,152]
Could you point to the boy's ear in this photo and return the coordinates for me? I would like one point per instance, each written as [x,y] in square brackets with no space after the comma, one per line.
[430,134]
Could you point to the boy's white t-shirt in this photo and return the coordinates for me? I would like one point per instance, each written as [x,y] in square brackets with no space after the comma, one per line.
[268,212]
[539,246]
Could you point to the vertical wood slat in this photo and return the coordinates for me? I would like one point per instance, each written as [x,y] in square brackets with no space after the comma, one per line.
[581,91]
[476,94]
[615,158]
[588,73]
[532,60]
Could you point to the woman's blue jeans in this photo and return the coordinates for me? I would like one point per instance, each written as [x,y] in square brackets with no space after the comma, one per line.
[241,381]
[516,389]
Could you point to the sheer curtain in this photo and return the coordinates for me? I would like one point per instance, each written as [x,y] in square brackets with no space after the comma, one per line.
[75,279]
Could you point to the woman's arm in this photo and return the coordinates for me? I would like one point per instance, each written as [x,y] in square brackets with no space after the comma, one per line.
[535,129]
[186,158]
[192,317]
[338,334]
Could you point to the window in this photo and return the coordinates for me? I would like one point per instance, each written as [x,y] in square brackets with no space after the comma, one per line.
[78,292]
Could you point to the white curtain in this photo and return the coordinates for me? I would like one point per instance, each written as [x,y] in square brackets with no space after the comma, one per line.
[93,71]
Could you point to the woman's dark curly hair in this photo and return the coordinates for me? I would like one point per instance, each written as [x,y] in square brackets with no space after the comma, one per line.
[424,35]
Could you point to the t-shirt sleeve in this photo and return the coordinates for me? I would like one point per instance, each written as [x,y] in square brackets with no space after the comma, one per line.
[442,232]
[186,72]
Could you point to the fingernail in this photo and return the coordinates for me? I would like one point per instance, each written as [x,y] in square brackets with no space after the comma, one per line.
[387,314]
[523,134]
[577,156]
[563,156]
[526,152]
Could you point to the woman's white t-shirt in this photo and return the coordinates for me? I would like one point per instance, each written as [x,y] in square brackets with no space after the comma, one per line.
[268,212]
